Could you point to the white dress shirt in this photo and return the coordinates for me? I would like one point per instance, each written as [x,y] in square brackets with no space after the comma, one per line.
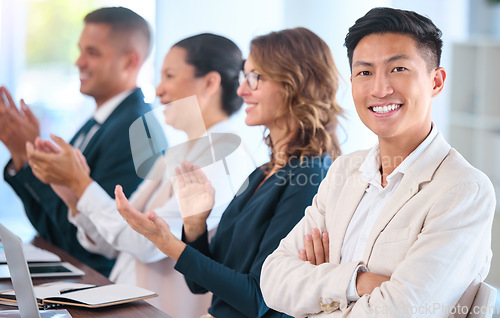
[100,115]
[372,203]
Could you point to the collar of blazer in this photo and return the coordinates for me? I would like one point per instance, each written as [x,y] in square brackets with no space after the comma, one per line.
[354,188]
[135,97]
[420,172]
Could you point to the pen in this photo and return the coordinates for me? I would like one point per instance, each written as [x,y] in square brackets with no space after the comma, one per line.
[70,290]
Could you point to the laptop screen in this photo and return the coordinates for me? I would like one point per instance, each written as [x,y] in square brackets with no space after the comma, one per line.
[19,272]
[21,280]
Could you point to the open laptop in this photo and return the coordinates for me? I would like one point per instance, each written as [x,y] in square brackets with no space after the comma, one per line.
[21,280]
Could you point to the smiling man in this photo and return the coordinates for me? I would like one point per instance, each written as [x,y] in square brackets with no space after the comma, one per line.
[113,46]
[402,229]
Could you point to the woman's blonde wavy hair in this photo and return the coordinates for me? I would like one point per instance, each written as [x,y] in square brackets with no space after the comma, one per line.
[303,63]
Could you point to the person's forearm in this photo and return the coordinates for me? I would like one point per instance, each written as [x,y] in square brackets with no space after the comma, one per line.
[366,282]
[240,290]
[19,161]
[71,207]
[171,246]
[193,230]
[73,211]
[79,184]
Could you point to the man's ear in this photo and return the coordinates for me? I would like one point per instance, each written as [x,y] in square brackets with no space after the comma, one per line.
[132,60]
[439,79]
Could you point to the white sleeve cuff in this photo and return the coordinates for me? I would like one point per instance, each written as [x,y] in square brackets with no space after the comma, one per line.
[74,219]
[94,199]
[352,293]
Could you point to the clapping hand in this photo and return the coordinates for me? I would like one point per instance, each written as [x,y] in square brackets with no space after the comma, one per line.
[153,227]
[60,166]
[16,127]
[65,193]
[196,199]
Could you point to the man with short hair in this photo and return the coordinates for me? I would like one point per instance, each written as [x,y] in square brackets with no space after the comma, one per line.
[113,45]
[402,229]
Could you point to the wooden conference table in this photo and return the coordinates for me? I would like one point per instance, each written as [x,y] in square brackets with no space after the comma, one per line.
[133,309]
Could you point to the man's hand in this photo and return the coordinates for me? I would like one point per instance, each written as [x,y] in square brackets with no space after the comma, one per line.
[64,166]
[150,225]
[316,248]
[366,282]
[65,193]
[16,128]
[196,199]
[316,251]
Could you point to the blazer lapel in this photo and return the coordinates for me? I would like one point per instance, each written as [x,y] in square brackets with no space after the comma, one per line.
[420,171]
[347,203]
[135,98]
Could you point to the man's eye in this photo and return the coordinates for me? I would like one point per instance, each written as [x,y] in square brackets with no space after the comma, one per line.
[399,69]
[364,73]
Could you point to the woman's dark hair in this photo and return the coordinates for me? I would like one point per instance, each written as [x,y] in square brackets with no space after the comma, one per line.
[388,20]
[209,52]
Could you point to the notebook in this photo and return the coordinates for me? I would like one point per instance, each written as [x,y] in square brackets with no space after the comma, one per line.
[21,280]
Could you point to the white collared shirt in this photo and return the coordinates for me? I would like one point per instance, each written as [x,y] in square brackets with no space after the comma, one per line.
[100,115]
[102,112]
[372,203]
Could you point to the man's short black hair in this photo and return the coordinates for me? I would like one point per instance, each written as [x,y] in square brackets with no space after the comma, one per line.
[388,20]
[122,21]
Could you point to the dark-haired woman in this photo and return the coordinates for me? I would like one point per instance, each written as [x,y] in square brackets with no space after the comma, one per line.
[289,84]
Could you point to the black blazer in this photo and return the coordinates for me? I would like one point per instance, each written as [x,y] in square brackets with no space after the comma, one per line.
[250,229]
[109,157]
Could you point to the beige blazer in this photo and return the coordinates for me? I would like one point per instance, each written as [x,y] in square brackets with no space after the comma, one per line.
[433,239]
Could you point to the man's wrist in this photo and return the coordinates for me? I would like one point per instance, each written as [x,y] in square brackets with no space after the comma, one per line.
[11,168]
[79,185]
[73,211]
[19,162]
[352,292]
